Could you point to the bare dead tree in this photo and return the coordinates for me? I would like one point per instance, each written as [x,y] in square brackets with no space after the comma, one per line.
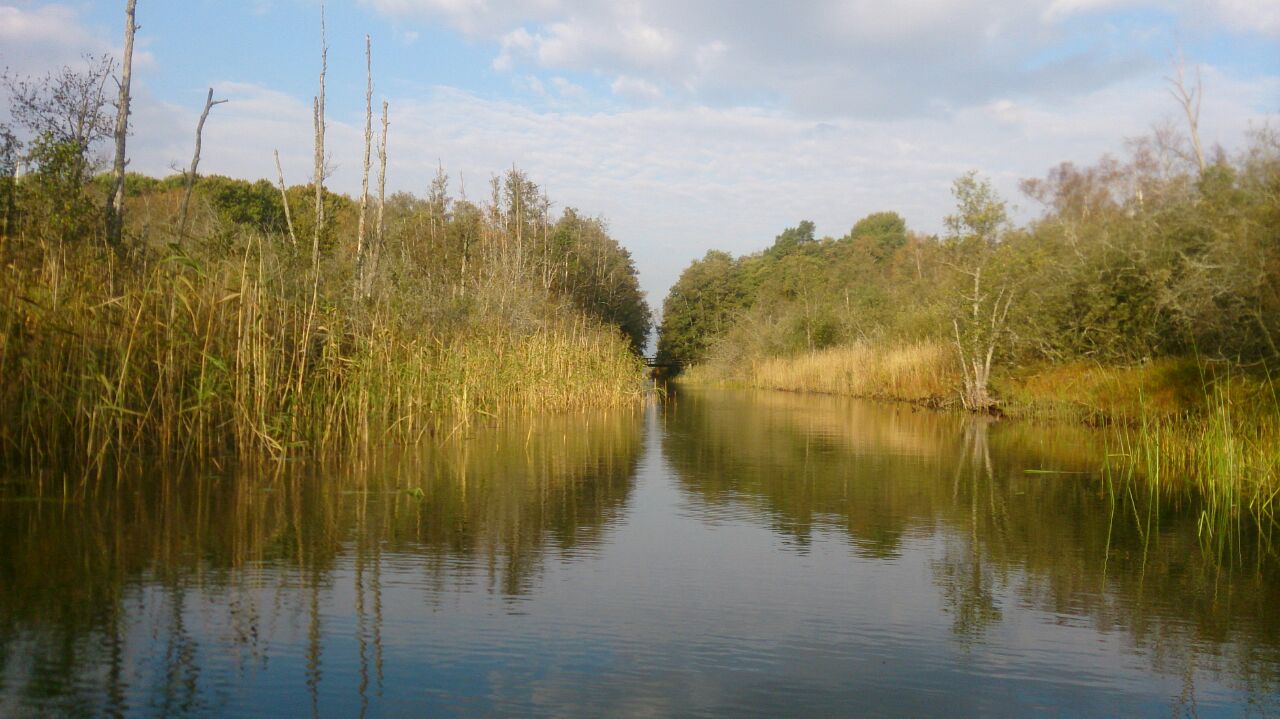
[115,212]
[382,179]
[317,107]
[318,119]
[1189,98]
[284,199]
[378,244]
[209,102]
[364,175]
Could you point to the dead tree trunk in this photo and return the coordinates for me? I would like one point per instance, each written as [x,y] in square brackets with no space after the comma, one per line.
[317,109]
[364,175]
[115,212]
[284,200]
[378,239]
[1189,98]
[318,119]
[209,102]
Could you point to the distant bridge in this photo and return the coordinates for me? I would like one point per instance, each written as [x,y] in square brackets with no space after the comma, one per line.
[655,363]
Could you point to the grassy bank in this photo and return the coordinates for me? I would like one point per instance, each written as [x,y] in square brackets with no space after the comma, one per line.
[1178,425]
[924,373]
[233,357]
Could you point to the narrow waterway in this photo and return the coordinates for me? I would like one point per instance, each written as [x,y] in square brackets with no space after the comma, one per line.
[725,553]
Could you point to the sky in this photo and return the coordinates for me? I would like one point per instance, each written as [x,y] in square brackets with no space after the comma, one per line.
[689,125]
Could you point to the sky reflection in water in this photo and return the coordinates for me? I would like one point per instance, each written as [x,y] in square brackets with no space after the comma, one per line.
[727,553]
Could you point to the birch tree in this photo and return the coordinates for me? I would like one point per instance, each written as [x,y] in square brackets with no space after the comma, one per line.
[979,323]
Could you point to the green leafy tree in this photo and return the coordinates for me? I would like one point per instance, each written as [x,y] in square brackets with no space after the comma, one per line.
[980,320]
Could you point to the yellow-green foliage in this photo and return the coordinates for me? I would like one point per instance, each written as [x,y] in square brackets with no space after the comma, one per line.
[215,359]
[919,372]
[1167,387]
[1228,453]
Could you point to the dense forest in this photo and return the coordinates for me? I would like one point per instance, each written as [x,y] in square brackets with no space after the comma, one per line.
[208,315]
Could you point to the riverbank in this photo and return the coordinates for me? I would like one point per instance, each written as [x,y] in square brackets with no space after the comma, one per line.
[246,354]
[1180,423]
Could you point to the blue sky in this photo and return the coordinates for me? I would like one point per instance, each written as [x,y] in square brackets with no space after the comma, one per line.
[688,125]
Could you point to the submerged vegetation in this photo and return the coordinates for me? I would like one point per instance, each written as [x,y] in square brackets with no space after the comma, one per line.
[235,318]
[1146,296]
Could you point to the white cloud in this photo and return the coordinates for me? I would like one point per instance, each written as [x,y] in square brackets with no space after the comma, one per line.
[1262,16]
[634,88]
[470,16]
[568,90]
[36,40]
[836,57]
[679,175]
[1062,9]
[514,44]
[675,181]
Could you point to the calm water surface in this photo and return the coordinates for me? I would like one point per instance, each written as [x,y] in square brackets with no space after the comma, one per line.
[725,553]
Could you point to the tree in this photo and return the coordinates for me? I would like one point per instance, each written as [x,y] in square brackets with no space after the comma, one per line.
[700,308]
[115,206]
[9,148]
[979,325]
[792,238]
[209,102]
[58,121]
[882,232]
[1189,98]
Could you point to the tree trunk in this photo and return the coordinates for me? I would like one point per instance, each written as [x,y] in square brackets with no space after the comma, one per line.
[318,119]
[1190,101]
[364,175]
[115,212]
[209,102]
[378,240]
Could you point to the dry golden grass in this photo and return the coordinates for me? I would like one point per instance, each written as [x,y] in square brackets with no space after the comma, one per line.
[1180,424]
[221,359]
[923,372]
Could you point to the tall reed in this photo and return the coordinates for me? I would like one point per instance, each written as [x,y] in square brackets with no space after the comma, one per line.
[923,372]
[1227,456]
[213,358]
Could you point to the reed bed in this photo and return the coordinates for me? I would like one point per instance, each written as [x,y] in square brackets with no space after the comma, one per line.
[922,372]
[227,358]
[1175,427]
[1228,457]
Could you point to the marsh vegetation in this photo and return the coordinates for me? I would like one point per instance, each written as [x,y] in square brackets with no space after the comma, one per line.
[1145,297]
[211,317]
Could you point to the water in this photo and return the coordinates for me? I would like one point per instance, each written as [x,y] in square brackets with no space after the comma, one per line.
[724,554]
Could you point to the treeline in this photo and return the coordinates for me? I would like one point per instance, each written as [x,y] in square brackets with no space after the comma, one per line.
[1155,255]
[237,317]
[437,245]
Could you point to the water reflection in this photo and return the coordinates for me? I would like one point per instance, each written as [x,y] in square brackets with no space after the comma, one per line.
[1011,515]
[98,596]
[727,553]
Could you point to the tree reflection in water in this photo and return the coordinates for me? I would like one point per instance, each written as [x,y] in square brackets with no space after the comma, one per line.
[97,596]
[1010,512]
